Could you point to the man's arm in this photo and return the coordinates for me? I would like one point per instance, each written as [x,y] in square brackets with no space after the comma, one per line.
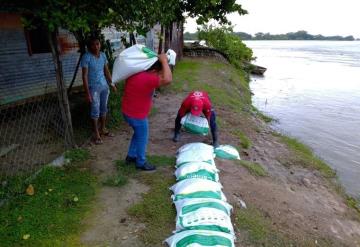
[207,108]
[185,107]
[165,74]
[108,77]
[86,83]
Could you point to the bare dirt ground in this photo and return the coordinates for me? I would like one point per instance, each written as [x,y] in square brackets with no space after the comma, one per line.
[299,202]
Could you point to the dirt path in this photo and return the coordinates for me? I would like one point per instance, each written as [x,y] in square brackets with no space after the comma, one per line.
[298,202]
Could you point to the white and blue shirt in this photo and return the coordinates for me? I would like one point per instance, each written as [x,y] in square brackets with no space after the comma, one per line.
[95,65]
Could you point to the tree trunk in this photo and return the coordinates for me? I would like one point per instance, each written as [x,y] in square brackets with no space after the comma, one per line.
[161,40]
[62,94]
[167,39]
[181,39]
[82,46]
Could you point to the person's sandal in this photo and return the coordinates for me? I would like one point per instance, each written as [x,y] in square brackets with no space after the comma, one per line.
[107,133]
[98,141]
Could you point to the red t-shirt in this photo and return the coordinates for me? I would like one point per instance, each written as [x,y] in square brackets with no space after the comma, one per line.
[187,103]
[138,92]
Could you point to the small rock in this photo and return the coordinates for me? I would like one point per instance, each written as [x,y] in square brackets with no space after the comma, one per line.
[125,237]
[306,182]
[291,172]
[292,189]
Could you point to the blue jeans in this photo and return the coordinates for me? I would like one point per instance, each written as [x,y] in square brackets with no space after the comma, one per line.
[139,140]
[99,95]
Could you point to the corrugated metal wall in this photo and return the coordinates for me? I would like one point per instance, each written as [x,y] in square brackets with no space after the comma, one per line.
[23,76]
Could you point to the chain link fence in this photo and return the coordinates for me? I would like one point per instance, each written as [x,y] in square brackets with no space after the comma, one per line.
[31,135]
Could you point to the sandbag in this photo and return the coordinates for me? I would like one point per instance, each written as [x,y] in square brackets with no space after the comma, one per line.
[132,60]
[197,188]
[196,146]
[183,206]
[200,170]
[195,124]
[203,214]
[200,238]
[193,155]
[227,152]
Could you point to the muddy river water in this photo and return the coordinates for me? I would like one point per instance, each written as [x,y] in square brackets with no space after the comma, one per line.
[313,89]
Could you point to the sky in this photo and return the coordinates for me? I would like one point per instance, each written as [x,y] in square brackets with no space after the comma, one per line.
[326,17]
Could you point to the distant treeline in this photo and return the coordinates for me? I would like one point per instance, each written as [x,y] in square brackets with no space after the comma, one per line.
[299,35]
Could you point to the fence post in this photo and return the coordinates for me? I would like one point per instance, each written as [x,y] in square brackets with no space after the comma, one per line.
[62,93]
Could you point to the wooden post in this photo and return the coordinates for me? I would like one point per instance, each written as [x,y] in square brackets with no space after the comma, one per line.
[62,94]
[81,41]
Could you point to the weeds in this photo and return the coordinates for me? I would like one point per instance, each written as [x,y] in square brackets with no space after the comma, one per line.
[51,216]
[255,169]
[244,140]
[306,158]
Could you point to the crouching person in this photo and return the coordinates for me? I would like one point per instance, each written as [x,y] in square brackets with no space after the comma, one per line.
[197,102]
[136,106]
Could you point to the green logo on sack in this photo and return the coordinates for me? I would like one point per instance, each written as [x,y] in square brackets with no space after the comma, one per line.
[149,53]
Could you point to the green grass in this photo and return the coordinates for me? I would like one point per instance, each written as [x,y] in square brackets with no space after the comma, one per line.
[153,111]
[353,203]
[125,171]
[257,230]
[244,140]
[77,155]
[115,118]
[52,216]
[265,118]
[156,209]
[255,169]
[306,158]
[12,186]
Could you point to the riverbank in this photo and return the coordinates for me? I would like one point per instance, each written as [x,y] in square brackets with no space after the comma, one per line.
[290,196]
[289,193]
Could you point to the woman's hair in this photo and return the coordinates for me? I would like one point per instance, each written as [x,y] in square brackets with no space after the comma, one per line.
[91,40]
[156,66]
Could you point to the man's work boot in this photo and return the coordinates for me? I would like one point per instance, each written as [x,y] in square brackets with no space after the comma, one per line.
[176,137]
[130,160]
[146,167]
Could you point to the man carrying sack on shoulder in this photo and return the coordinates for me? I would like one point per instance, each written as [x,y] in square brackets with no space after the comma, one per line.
[197,103]
[136,106]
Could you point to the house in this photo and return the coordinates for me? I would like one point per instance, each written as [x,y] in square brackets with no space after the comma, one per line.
[26,65]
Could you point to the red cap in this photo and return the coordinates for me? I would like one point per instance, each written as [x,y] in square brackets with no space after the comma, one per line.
[196,106]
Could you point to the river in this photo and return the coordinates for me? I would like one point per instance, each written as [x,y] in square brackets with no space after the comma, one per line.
[312,89]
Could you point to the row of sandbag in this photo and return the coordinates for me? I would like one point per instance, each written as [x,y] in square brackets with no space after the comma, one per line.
[203,215]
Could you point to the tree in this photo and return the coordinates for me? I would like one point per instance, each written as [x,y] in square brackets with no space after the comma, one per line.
[87,17]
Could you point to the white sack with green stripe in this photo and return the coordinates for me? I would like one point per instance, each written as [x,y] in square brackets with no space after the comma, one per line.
[227,152]
[197,188]
[202,170]
[197,147]
[194,155]
[203,214]
[201,238]
[195,124]
[132,60]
